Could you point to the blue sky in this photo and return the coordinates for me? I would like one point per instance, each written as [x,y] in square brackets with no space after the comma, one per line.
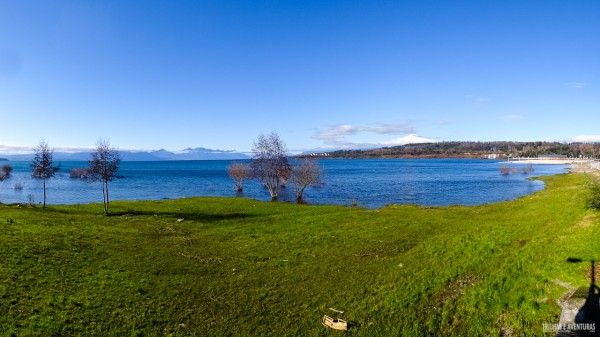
[323,74]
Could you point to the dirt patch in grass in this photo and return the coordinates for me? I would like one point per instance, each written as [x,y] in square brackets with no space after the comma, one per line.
[586,221]
[588,273]
[457,287]
[502,321]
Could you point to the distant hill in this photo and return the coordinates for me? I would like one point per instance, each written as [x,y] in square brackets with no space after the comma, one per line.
[199,153]
[474,150]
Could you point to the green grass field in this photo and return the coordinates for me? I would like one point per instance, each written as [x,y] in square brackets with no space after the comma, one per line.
[238,267]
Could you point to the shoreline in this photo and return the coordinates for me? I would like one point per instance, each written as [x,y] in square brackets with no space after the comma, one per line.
[550,161]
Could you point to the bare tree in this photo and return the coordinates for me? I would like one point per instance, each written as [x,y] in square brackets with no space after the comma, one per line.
[103,167]
[528,169]
[239,172]
[42,166]
[270,165]
[306,173]
[5,172]
[79,173]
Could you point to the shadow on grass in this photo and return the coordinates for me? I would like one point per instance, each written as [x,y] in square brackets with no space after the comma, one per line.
[118,212]
[202,217]
[352,325]
[589,313]
[61,209]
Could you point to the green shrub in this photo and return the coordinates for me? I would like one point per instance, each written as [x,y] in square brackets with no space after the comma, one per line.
[593,200]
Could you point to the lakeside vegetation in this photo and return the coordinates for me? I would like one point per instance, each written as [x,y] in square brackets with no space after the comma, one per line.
[475,150]
[229,266]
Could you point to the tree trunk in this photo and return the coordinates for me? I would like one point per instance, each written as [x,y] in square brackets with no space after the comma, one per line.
[44,192]
[274,192]
[106,205]
[273,186]
[300,195]
[103,196]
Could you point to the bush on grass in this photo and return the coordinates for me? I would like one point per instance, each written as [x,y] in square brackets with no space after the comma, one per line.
[593,200]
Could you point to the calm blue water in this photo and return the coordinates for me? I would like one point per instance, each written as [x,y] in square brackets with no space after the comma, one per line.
[372,182]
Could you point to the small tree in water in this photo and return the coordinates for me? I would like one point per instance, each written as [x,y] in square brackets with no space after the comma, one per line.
[270,165]
[103,167]
[306,173]
[5,172]
[528,169]
[42,166]
[239,172]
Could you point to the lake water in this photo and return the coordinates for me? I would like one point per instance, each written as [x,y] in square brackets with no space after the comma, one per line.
[371,182]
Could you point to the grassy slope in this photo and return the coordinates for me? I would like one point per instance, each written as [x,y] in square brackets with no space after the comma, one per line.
[243,267]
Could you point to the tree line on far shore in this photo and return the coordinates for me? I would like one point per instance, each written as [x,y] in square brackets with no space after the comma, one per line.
[466,149]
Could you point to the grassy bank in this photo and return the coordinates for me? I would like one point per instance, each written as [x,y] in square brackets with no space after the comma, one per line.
[242,267]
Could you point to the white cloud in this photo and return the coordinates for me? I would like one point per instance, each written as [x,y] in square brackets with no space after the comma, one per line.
[335,132]
[25,149]
[512,118]
[389,129]
[410,139]
[335,135]
[346,129]
[576,85]
[587,139]
[15,149]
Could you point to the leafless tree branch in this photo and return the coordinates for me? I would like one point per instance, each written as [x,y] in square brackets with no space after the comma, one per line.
[270,165]
[103,167]
[42,166]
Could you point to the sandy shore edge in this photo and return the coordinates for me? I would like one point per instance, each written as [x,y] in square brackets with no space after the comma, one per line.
[549,161]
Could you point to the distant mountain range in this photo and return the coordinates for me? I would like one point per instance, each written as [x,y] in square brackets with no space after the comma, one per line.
[198,153]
